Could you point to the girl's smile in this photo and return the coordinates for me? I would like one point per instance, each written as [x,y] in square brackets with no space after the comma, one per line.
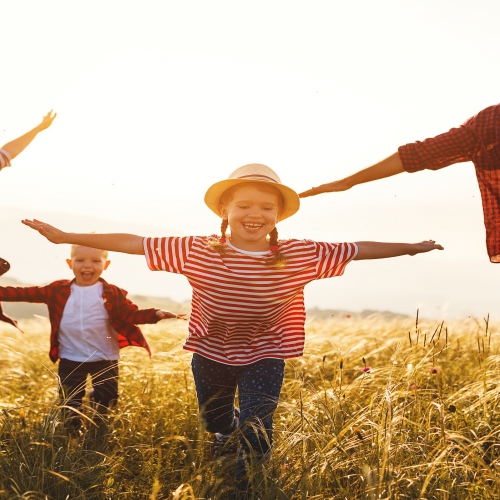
[252,214]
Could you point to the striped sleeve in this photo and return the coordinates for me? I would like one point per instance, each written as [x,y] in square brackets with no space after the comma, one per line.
[168,253]
[4,159]
[333,257]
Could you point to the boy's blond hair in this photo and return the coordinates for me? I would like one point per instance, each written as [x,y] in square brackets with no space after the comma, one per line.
[74,247]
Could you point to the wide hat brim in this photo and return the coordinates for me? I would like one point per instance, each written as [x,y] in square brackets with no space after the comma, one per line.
[290,197]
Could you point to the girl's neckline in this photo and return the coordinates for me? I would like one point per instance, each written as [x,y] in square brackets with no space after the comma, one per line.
[248,252]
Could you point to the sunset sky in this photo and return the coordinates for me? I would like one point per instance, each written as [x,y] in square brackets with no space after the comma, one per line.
[158,100]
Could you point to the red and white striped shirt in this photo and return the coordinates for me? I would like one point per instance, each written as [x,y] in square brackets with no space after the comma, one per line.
[244,309]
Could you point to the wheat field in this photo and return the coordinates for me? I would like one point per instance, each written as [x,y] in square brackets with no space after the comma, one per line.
[375,409]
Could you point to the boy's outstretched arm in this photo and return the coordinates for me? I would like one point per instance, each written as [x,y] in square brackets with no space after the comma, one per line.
[385,168]
[14,147]
[375,250]
[114,242]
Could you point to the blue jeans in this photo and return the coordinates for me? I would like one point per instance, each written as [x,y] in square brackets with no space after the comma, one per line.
[259,385]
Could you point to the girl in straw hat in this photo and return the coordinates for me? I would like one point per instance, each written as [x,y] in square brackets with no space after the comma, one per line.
[248,303]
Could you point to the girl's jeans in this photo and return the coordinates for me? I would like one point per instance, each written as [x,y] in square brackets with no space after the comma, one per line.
[259,385]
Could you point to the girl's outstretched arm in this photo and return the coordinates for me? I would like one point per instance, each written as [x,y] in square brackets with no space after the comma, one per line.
[114,242]
[376,250]
[385,168]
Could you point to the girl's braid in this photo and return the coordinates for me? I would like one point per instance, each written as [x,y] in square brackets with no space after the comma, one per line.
[223,228]
[220,244]
[273,238]
[279,260]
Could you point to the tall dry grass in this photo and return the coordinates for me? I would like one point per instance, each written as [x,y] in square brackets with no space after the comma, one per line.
[375,409]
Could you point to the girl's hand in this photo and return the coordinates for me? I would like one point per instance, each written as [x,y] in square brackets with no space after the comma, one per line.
[169,315]
[50,232]
[424,246]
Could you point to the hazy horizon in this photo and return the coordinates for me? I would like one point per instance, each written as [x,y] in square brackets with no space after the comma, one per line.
[429,282]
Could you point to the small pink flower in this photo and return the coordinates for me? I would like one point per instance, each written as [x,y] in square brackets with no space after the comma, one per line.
[413,387]
[434,370]
[366,369]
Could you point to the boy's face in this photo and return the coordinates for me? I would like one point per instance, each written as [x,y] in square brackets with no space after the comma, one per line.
[87,265]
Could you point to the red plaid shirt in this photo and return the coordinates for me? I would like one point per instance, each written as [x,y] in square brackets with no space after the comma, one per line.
[477,140]
[124,315]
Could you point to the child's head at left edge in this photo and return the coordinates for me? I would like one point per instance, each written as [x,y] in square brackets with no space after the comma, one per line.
[87,264]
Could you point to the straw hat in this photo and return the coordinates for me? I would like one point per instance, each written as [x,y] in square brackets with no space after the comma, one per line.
[254,172]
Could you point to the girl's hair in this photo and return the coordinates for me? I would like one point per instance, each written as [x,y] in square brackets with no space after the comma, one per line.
[219,245]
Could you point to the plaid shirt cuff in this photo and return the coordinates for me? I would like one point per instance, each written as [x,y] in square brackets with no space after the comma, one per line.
[410,164]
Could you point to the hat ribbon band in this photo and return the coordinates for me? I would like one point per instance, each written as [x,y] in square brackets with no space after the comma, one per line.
[258,177]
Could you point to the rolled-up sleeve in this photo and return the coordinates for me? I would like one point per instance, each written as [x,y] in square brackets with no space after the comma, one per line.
[4,159]
[456,146]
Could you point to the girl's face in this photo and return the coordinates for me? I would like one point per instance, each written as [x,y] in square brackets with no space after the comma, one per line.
[252,213]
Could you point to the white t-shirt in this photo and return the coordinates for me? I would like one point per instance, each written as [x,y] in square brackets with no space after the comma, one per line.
[85,332]
[244,309]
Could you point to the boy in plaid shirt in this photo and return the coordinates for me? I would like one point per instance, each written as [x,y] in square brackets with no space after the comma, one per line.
[90,321]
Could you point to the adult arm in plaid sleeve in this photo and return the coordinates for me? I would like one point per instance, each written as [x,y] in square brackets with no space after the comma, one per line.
[455,146]
[385,168]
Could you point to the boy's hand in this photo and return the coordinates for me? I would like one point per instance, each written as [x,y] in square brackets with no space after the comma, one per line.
[47,120]
[169,315]
[424,246]
[50,232]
